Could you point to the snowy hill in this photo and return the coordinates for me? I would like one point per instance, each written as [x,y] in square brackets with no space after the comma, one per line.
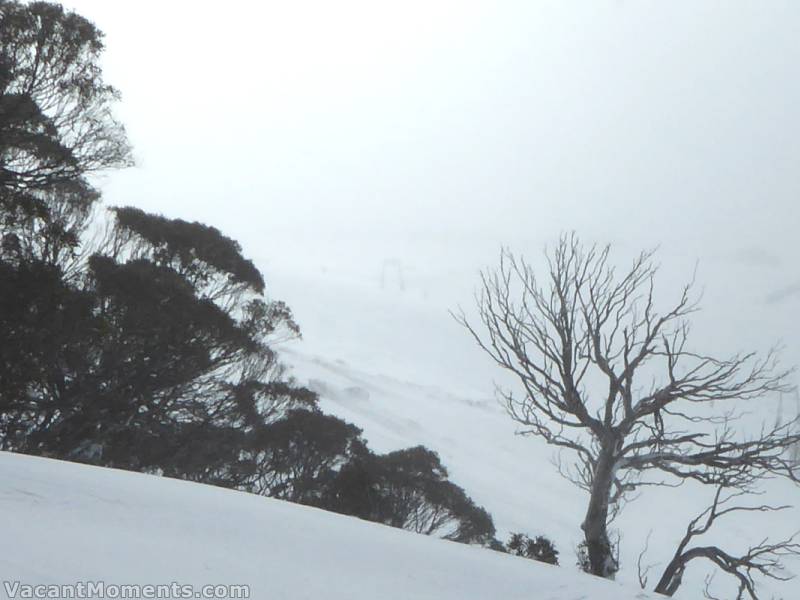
[393,362]
[65,523]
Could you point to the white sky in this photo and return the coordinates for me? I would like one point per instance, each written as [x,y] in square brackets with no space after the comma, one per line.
[329,137]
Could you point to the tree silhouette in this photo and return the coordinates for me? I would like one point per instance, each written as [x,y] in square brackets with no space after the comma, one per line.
[643,421]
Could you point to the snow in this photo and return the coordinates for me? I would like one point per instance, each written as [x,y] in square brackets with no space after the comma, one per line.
[65,523]
[393,362]
[396,364]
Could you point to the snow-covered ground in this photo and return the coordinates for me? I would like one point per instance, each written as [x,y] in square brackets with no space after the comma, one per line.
[64,523]
[388,358]
[382,351]
[388,159]
[384,354]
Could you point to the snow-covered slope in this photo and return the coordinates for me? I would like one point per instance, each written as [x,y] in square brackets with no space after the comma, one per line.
[514,478]
[391,360]
[65,523]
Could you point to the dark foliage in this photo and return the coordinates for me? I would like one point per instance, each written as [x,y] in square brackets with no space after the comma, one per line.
[47,330]
[192,249]
[56,125]
[152,348]
[156,355]
[409,489]
[296,458]
[538,548]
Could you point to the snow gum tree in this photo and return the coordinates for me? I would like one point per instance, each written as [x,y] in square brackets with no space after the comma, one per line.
[610,378]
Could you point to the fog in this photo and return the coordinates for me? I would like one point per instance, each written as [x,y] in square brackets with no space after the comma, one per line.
[341,141]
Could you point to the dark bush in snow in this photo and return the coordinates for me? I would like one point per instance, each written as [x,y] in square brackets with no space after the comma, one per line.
[538,548]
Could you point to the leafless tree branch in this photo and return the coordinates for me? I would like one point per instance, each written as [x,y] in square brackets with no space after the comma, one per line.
[763,558]
[582,340]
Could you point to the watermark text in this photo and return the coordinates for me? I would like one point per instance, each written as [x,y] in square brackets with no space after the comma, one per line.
[100,590]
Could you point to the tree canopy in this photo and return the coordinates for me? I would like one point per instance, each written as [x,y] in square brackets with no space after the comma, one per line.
[153,346]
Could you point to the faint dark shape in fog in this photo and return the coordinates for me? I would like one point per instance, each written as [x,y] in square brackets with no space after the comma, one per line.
[756,256]
[783,293]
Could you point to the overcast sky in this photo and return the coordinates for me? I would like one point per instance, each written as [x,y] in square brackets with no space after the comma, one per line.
[330,137]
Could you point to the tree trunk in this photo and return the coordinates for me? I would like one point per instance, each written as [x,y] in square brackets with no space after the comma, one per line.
[602,561]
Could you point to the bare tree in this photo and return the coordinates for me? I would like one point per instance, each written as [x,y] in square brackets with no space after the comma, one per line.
[763,558]
[794,450]
[608,377]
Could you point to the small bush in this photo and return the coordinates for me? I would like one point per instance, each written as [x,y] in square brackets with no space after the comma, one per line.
[539,548]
